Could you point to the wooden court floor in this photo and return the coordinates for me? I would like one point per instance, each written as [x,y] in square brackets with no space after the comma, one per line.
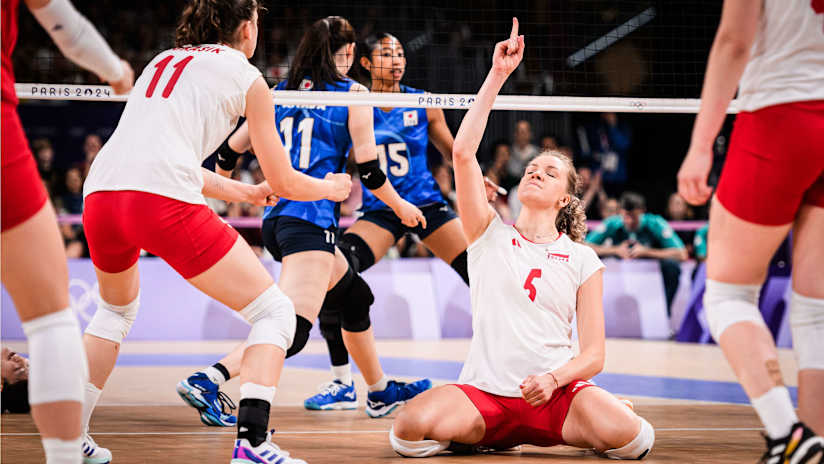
[141,419]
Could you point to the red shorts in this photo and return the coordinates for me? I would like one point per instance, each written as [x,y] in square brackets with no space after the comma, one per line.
[775,163]
[512,421]
[191,238]
[22,193]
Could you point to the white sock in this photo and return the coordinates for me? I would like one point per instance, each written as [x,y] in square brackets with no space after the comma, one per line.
[380,385]
[255,391]
[214,375]
[776,411]
[90,396]
[62,451]
[343,373]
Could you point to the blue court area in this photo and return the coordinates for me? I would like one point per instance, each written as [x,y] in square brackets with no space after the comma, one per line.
[619,384]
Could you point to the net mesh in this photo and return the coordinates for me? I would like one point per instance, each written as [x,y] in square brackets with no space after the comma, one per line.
[592,48]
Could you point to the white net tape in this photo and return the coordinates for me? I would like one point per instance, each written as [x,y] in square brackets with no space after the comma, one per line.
[447,101]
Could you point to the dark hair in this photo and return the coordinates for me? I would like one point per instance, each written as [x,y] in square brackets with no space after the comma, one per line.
[15,397]
[214,21]
[316,52]
[631,200]
[364,50]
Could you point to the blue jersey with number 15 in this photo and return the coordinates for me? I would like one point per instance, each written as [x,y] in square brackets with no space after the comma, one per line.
[402,137]
[317,140]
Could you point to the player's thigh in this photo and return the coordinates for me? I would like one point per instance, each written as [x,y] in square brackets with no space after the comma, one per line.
[304,278]
[120,288]
[597,419]
[34,267]
[447,241]
[378,238]
[808,252]
[339,268]
[443,413]
[236,279]
[739,251]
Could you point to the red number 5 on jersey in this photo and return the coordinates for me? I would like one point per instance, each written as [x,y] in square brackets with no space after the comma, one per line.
[528,286]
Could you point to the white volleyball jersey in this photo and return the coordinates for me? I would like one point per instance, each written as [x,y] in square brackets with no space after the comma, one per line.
[182,107]
[524,297]
[787,58]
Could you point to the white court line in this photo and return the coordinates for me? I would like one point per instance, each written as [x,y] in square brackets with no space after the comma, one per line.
[361,432]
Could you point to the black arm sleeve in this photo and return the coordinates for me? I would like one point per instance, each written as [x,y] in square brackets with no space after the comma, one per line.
[226,157]
[371,175]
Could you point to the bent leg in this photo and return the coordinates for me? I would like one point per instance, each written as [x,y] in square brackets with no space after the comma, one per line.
[807,314]
[597,419]
[429,422]
[35,274]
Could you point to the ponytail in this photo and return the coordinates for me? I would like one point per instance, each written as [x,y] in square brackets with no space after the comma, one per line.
[315,57]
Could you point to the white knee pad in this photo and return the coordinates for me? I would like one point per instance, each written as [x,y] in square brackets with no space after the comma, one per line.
[807,322]
[112,322]
[416,449]
[272,316]
[728,304]
[58,370]
[639,447]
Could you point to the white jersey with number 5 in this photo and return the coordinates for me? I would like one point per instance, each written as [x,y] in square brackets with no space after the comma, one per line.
[182,107]
[787,57]
[524,296]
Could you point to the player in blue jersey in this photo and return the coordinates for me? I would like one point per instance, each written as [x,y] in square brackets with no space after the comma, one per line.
[402,136]
[302,235]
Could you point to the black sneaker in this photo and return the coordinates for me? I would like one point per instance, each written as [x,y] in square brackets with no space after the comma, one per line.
[801,446]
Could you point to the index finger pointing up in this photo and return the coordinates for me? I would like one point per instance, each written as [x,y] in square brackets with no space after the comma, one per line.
[514,34]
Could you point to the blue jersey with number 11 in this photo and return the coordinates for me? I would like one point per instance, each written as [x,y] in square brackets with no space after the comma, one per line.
[317,140]
[402,137]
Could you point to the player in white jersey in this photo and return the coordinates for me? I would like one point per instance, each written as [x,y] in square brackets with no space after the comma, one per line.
[521,382]
[146,190]
[772,181]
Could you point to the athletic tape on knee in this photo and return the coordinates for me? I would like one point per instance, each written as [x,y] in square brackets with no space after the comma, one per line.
[807,322]
[416,449]
[58,368]
[728,304]
[112,322]
[272,316]
[639,447]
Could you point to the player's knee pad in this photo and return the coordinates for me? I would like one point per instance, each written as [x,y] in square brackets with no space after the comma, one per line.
[728,304]
[807,322]
[112,322]
[302,328]
[355,315]
[460,266]
[59,370]
[330,325]
[416,449]
[639,447]
[357,252]
[272,316]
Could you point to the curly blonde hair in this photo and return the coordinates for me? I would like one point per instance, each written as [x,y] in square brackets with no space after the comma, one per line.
[571,219]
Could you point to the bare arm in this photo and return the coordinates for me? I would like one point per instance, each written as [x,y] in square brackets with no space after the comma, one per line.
[439,133]
[728,57]
[676,253]
[473,208]
[275,162]
[216,186]
[239,142]
[362,132]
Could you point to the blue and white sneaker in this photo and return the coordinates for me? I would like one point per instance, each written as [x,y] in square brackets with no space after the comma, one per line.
[265,453]
[93,454]
[381,403]
[215,407]
[334,395]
